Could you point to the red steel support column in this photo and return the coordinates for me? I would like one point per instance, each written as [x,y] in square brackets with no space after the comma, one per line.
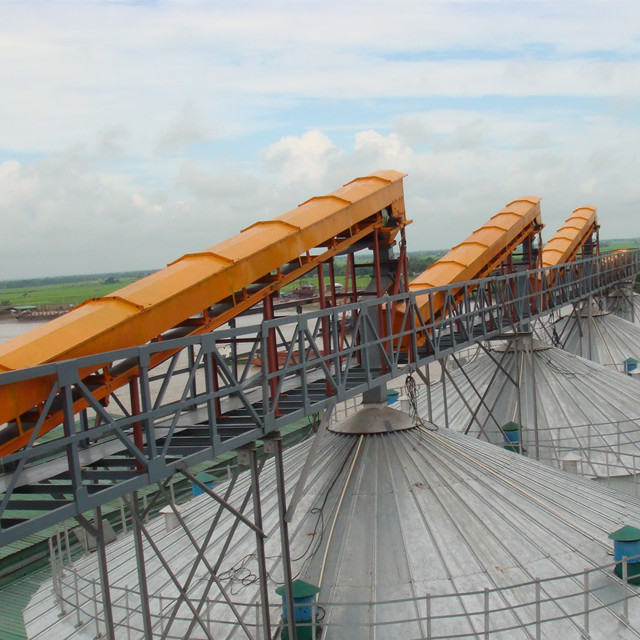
[351,265]
[345,300]
[402,278]
[332,280]
[377,271]
[138,440]
[354,282]
[376,264]
[272,351]
[326,345]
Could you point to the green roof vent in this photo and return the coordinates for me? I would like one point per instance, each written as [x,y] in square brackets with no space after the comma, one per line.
[511,433]
[626,544]
[304,595]
[207,480]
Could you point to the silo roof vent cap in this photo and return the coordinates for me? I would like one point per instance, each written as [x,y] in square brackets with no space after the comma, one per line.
[171,520]
[625,534]
[301,589]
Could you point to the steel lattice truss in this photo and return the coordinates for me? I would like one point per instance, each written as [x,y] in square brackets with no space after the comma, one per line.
[217,392]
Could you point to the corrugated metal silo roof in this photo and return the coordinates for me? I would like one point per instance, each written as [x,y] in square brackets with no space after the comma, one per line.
[572,404]
[600,336]
[388,518]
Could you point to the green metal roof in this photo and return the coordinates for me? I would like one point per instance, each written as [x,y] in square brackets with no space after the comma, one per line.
[13,600]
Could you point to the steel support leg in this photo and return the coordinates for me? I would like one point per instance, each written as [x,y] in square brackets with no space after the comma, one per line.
[274,445]
[519,359]
[262,567]
[194,568]
[142,571]
[443,378]
[176,582]
[104,575]
[536,433]
[427,370]
[589,328]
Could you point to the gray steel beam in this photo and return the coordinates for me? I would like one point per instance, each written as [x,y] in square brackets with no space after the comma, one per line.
[194,567]
[104,575]
[273,444]
[142,569]
[263,574]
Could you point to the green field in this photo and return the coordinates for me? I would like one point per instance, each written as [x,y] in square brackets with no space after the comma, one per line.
[47,294]
[71,293]
[614,245]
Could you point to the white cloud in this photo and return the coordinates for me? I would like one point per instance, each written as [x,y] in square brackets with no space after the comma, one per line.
[186,129]
[65,214]
[109,104]
[71,69]
[111,142]
[301,158]
[390,146]
[64,217]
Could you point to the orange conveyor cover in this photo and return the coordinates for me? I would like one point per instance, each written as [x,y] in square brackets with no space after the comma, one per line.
[481,252]
[574,234]
[144,310]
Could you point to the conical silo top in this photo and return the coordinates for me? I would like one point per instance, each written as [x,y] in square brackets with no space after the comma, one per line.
[374,419]
[385,519]
[602,337]
[562,402]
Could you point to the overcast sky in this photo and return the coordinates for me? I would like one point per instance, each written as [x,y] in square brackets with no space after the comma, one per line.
[132,133]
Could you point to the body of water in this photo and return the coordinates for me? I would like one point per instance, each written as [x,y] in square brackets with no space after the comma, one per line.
[10,328]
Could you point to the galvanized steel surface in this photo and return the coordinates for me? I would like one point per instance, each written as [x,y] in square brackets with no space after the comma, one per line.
[624,304]
[563,402]
[599,336]
[387,519]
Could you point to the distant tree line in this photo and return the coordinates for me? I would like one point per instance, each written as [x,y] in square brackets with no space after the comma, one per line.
[106,278]
[418,262]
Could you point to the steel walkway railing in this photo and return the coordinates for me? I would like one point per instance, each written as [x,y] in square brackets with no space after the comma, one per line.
[217,392]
